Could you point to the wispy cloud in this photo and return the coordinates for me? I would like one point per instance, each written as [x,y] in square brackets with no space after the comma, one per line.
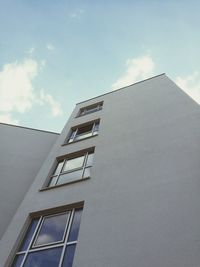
[30,51]
[17,91]
[50,47]
[77,14]
[136,69]
[143,67]
[190,84]
[48,99]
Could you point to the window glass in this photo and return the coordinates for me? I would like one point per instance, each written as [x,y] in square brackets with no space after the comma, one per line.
[85,129]
[69,256]
[72,135]
[73,163]
[53,181]
[75,225]
[70,177]
[58,168]
[73,169]
[90,159]
[18,260]
[86,173]
[44,258]
[96,128]
[90,109]
[83,136]
[29,235]
[52,229]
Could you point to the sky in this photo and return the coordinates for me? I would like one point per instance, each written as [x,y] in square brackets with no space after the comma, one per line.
[54,54]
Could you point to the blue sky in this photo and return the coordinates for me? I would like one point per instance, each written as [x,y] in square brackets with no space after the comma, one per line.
[54,54]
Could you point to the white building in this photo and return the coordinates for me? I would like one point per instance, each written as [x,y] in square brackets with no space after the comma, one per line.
[120,186]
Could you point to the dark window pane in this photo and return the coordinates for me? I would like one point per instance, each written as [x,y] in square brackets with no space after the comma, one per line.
[52,229]
[58,168]
[72,134]
[29,235]
[91,109]
[73,163]
[18,260]
[96,128]
[82,112]
[75,225]
[69,256]
[86,173]
[90,159]
[85,129]
[70,176]
[44,258]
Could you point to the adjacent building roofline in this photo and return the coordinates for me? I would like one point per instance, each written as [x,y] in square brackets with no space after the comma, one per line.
[28,128]
[121,88]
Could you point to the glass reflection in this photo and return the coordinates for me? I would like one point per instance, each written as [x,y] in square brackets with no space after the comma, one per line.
[73,164]
[75,225]
[69,256]
[90,159]
[58,168]
[44,258]
[96,128]
[82,136]
[52,229]
[86,173]
[53,181]
[29,235]
[70,177]
[18,260]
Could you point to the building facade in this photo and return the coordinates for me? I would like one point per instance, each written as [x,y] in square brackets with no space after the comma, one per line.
[119,186]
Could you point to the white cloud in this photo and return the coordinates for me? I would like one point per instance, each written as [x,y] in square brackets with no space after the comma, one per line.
[7,118]
[17,91]
[138,69]
[50,46]
[190,85]
[48,99]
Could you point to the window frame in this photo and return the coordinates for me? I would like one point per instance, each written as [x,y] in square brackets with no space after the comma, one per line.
[97,107]
[64,159]
[63,244]
[74,130]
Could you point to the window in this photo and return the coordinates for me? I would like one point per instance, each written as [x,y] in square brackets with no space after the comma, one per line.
[72,169]
[50,241]
[90,109]
[83,132]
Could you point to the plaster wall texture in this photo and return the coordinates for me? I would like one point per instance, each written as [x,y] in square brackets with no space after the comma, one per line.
[141,204]
[22,152]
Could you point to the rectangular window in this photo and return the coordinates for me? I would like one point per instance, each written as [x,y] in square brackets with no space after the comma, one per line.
[50,241]
[90,109]
[83,132]
[72,169]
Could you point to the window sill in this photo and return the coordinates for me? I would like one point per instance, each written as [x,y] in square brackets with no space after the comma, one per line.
[65,144]
[60,185]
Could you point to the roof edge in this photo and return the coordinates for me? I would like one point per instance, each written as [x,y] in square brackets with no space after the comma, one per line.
[122,88]
[28,128]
